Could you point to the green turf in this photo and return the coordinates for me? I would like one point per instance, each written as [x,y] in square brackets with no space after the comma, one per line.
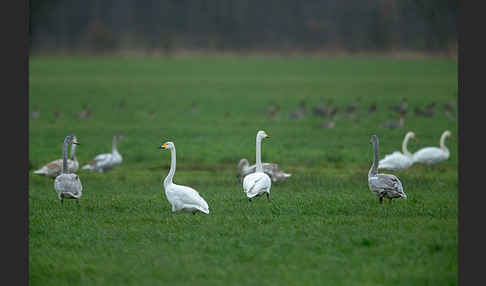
[323,226]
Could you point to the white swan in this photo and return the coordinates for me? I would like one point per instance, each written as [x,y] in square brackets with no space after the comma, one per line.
[181,197]
[270,169]
[68,185]
[433,155]
[107,161]
[399,160]
[258,183]
[53,169]
[383,185]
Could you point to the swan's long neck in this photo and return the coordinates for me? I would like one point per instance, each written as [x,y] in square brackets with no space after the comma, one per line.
[113,145]
[73,151]
[64,157]
[259,167]
[404,145]
[442,143]
[374,168]
[168,179]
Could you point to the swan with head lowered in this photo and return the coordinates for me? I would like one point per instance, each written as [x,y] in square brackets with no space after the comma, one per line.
[181,198]
[258,183]
[433,155]
[107,161]
[68,185]
[399,160]
[383,185]
[54,168]
[270,169]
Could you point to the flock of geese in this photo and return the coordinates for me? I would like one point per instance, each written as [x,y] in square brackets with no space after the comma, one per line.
[256,180]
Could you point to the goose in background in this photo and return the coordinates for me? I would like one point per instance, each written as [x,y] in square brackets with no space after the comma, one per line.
[54,168]
[107,161]
[258,183]
[400,108]
[270,169]
[35,113]
[84,113]
[300,112]
[372,108]
[181,198]
[394,124]
[434,155]
[399,160]
[273,111]
[383,185]
[68,185]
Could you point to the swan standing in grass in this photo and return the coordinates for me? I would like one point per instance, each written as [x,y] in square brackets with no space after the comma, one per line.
[433,155]
[107,161]
[270,169]
[258,183]
[383,185]
[54,168]
[181,197]
[68,185]
[399,160]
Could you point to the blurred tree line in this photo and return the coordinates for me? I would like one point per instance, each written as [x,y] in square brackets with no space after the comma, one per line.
[243,25]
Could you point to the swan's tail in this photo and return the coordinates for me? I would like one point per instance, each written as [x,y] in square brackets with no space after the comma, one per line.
[41,171]
[87,167]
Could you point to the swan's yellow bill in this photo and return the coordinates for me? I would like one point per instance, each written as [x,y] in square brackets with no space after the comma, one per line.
[163,146]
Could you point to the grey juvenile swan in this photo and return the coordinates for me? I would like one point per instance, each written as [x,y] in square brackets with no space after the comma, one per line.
[68,185]
[53,169]
[383,185]
[270,169]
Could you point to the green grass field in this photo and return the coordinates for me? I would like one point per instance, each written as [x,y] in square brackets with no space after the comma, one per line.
[323,226]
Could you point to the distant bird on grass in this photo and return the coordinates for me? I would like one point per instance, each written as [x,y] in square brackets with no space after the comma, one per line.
[181,198]
[383,185]
[300,112]
[84,113]
[35,113]
[394,124]
[372,108]
[68,185]
[273,111]
[400,108]
[107,161]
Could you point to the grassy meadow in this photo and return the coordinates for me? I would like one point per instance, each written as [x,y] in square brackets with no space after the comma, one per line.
[323,226]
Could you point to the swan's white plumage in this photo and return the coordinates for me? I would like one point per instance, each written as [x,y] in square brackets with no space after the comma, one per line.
[104,162]
[433,155]
[257,183]
[398,160]
[185,198]
[181,198]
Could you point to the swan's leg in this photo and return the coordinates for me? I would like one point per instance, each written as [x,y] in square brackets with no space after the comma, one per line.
[77,202]
[249,199]
[390,200]
[62,201]
[268,196]
[380,199]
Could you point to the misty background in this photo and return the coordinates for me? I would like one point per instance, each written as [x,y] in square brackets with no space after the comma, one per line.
[240,26]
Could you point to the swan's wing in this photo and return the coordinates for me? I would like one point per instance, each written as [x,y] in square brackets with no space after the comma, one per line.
[102,157]
[68,183]
[188,196]
[256,183]
[387,182]
[395,160]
